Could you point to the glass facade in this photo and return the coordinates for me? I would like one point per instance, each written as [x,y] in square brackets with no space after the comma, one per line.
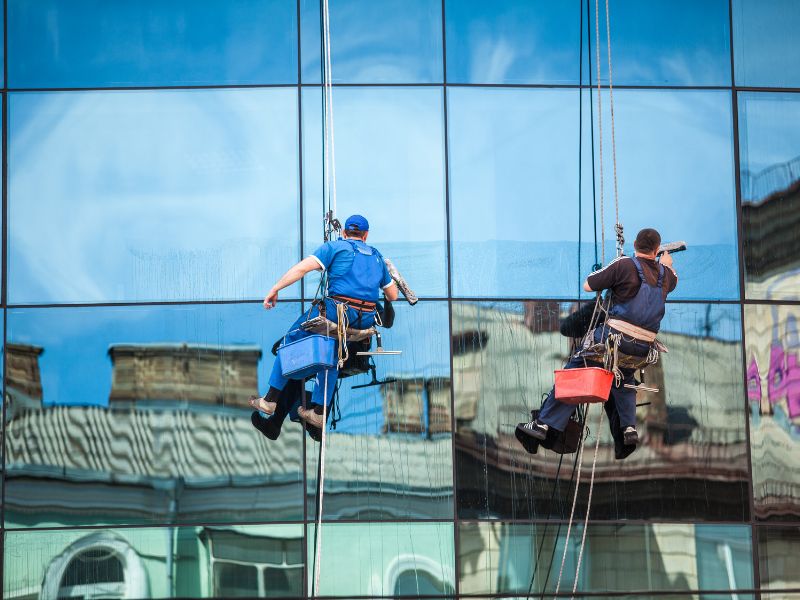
[163,166]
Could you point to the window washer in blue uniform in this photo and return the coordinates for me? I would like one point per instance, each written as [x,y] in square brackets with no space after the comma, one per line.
[356,275]
[639,286]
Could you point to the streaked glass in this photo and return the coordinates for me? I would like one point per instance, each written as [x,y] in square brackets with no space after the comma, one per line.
[779,557]
[92,43]
[389,148]
[151,195]
[660,42]
[264,561]
[769,147]
[504,355]
[507,558]
[392,41]
[390,454]
[513,191]
[516,215]
[139,415]
[773,392]
[383,559]
[764,51]
[513,41]
[674,172]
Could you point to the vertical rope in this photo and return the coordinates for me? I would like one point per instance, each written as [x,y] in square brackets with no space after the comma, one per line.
[611,103]
[572,510]
[588,502]
[330,138]
[321,487]
[600,131]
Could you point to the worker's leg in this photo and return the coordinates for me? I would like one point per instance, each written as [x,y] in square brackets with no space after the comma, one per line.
[324,387]
[625,402]
[555,413]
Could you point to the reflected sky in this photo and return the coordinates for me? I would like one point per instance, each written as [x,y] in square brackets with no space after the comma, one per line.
[392,41]
[769,142]
[75,365]
[151,195]
[765,52]
[514,152]
[93,43]
[390,168]
[661,42]
[512,41]
[675,172]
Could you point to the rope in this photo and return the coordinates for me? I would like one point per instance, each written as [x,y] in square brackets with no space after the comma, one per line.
[588,503]
[321,487]
[600,132]
[329,145]
[571,512]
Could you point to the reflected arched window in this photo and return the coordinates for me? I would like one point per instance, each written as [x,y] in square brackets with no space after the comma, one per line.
[420,583]
[99,565]
[93,573]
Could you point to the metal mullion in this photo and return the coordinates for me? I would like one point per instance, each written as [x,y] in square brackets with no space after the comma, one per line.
[742,295]
[449,283]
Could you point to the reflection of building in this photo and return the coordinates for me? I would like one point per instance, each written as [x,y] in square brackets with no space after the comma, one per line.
[771,217]
[693,429]
[173,445]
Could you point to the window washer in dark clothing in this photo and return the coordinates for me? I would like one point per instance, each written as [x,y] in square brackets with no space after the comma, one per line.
[356,274]
[639,286]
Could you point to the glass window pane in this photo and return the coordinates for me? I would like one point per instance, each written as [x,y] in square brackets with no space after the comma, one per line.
[92,43]
[36,563]
[675,172]
[392,41]
[662,42]
[390,168]
[763,41]
[769,143]
[139,415]
[773,391]
[390,455]
[779,558]
[145,195]
[513,41]
[505,558]
[513,191]
[504,355]
[370,559]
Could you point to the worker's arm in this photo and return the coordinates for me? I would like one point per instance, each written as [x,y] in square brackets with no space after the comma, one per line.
[666,260]
[586,286]
[291,276]
[390,291]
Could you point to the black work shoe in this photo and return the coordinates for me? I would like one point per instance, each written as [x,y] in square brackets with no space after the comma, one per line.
[530,443]
[535,429]
[268,427]
[631,436]
[315,433]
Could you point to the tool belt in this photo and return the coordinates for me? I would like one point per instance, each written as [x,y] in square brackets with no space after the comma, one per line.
[634,331]
[356,304]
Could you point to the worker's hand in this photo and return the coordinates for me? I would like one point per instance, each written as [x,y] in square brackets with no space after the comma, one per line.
[666,259]
[272,299]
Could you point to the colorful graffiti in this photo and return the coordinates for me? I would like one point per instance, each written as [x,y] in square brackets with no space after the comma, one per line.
[783,375]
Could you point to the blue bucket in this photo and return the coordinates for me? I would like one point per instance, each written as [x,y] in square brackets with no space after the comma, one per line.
[307,356]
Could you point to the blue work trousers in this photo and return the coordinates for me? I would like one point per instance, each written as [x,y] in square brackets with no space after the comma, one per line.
[357,320]
[556,414]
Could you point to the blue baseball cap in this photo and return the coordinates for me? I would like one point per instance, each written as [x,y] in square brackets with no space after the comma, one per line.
[356,223]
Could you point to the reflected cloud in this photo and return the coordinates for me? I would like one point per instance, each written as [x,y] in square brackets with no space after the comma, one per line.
[143,189]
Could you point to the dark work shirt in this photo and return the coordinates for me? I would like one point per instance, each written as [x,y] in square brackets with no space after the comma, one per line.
[620,276]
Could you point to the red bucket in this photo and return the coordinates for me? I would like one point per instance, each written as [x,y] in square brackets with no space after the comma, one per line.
[578,386]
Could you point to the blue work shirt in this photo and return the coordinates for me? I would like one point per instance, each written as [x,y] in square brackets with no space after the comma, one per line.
[355,269]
